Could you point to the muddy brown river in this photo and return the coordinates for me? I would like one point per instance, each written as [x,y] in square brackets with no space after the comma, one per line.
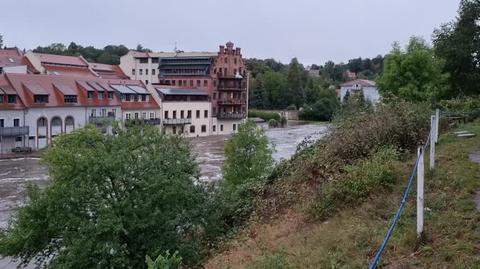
[16,173]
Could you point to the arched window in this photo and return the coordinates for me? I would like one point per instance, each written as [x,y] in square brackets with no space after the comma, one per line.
[56,121]
[69,121]
[42,122]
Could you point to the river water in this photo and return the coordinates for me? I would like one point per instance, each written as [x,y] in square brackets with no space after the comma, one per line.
[208,151]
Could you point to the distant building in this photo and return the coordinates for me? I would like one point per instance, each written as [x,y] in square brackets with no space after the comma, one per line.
[221,74]
[368,88]
[13,61]
[350,75]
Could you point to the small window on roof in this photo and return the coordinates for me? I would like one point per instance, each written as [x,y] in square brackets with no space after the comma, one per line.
[143,60]
[40,99]
[12,99]
[11,60]
[1,98]
[70,99]
[90,95]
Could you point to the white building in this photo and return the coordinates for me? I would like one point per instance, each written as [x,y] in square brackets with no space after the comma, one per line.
[368,87]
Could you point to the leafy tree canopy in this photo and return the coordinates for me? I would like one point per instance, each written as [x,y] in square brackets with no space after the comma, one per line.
[111,201]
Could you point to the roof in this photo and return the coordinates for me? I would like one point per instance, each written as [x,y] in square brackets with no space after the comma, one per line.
[61,59]
[179,91]
[108,71]
[56,86]
[11,57]
[6,88]
[362,82]
[162,54]
[123,89]
[69,70]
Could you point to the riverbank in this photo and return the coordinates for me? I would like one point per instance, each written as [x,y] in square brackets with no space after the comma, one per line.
[350,238]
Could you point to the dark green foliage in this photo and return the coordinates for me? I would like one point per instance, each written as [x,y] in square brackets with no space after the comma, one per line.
[108,55]
[323,109]
[111,201]
[458,43]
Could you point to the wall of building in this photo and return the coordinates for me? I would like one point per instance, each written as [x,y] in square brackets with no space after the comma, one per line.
[128,62]
[20,69]
[197,122]
[370,93]
[8,116]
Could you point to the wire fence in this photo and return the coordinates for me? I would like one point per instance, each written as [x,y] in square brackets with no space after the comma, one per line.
[432,138]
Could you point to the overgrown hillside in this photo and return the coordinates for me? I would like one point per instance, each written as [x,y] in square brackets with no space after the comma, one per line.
[331,206]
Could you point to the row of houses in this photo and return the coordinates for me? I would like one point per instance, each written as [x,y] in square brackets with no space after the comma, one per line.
[188,93]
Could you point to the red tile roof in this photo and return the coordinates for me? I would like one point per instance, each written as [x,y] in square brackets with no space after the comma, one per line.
[6,89]
[61,59]
[69,70]
[56,86]
[108,71]
[362,82]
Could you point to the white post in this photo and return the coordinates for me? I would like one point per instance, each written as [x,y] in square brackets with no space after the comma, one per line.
[437,122]
[432,144]
[420,184]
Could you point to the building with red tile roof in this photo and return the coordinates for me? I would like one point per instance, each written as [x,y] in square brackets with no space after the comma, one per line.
[367,87]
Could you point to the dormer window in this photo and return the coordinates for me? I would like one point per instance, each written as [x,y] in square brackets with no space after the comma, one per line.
[70,99]
[110,95]
[12,99]
[90,95]
[40,99]
[144,97]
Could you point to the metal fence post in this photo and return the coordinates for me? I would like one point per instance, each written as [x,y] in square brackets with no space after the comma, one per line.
[432,143]
[420,185]
[437,122]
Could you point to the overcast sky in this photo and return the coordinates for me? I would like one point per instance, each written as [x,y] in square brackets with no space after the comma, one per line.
[314,31]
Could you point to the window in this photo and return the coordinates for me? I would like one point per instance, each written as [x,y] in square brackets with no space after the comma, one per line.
[174,129]
[70,98]
[205,114]
[144,97]
[174,114]
[221,127]
[153,72]
[16,122]
[143,60]
[179,83]
[127,97]
[182,114]
[226,60]
[204,128]
[140,72]
[166,114]
[100,95]
[191,83]
[146,71]
[136,115]
[198,114]
[18,139]
[234,127]
[152,115]
[110,95]
[173,82]
[189,114]
[214,128]
[1,98]
[144,115]
[114,112]
[93,113]
[205,83]
[235,60]
[198,83]
[214,96]
[192,129]
[146,81]
[12,99]
[133,71]
[154,60]
[90,95]
[40,99]
[103,112]
[2,123]
[127,116]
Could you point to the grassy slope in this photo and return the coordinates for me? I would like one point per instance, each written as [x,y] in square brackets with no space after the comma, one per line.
[350,239]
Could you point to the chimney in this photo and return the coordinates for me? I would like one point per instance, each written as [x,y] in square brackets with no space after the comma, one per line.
[237,51]
[222,49]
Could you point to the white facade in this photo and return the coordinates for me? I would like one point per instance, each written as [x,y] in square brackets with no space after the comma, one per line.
[19,69]
[144,69]
[187,118]
[11,118]
[370,92]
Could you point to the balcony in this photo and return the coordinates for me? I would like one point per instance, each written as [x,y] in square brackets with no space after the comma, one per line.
[155,121]
[101,119]
[231,102]
[228,76]
[227,88]
[231,115]
[176,121]
[14,131]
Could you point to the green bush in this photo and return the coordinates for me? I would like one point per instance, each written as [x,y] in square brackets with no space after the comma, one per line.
[357,182]
[275,260]
[265,115]
[322,110]
[166,261]
[273,123]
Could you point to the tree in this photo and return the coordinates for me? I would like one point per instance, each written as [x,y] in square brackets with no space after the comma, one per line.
[1,41]
[295,83]
[111,201]
[458,43]
[275,85]
[414,74]
[248,156]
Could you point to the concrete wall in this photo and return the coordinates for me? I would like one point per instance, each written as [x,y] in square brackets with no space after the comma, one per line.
[128,62]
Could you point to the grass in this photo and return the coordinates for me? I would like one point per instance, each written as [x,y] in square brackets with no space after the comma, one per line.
[350,238]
